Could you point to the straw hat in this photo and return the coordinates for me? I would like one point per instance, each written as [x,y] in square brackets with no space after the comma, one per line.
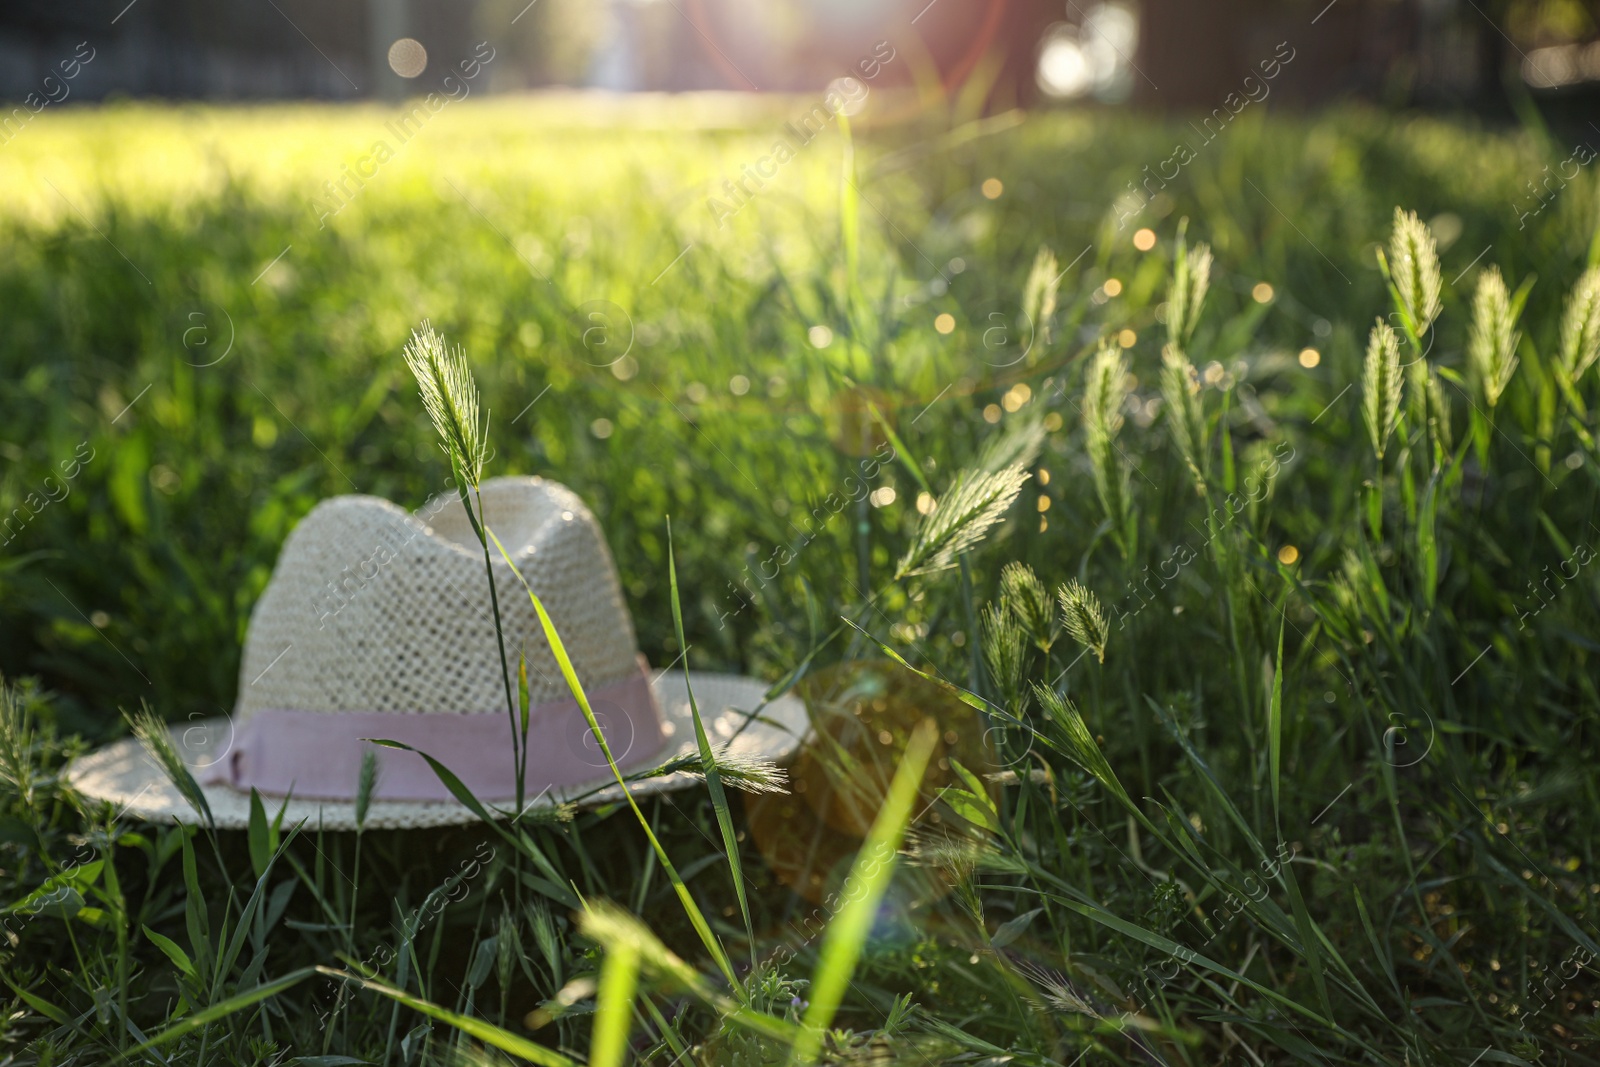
[377,624]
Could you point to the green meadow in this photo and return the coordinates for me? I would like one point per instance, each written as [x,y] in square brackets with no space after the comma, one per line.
[1238,539]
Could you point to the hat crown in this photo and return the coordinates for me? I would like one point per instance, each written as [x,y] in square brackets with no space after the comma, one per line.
[372,608]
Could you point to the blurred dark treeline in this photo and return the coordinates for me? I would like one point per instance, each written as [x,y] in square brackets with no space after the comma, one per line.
[1437,53]
[1467,54]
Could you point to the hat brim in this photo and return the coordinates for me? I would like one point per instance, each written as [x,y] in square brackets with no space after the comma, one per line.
[123,774]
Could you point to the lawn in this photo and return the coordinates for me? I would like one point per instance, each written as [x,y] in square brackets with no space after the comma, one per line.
[1301,770]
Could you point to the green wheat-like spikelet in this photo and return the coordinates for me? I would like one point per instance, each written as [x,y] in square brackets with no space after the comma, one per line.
[542,927]
[16,744]
[1180,394]
[1081,746]
[1056,990]
[1414,261]
[1380,386]
[751,774]
[1005,652]
[1439,410]
[1186,298]
[738,770]
[1025,596]
[366,782]
[507,947]
[451,397]
[1580,326]
[156,738]
[1084,619]
[1039,293]
[961,517]
[1492,347]
[1104,394]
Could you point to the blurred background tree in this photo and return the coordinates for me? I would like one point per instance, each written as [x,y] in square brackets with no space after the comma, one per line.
[553,42]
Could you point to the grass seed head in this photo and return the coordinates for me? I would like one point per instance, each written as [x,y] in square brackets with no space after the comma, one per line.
[739,770]
[365,784]
[1005,653]
[1580,326]
[1056,989]
[1380,386]
[1104,395]
[1414,261]
[1039,293]
[1025,596]
[978,500]
[451,396]
[507,946]
[1493,344]
[1081,748]
[1186,297]
[17,769]
[545,935]
[1084,618]
[1180,396]
[1439,408]
[153,734]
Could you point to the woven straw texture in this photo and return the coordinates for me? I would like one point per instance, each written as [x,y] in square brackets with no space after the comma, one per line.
[124,776]
[373,609]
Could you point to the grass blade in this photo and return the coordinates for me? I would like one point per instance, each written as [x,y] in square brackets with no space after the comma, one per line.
[972,700]
[242,931]
[864,890]
[1275,726]
[612,928]
[1177,951]
[708,761]
[696,918]
[907,460]
[518,841]
[613,1015]
[260,848]
[196,916]
[179,958]
[1380,951]
[38,1004]
[222,1009]
[486,1032]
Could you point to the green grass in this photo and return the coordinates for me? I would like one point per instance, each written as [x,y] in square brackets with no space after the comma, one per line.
[1326,797]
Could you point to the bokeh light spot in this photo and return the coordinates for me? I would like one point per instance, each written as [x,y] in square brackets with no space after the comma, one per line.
[407,57]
